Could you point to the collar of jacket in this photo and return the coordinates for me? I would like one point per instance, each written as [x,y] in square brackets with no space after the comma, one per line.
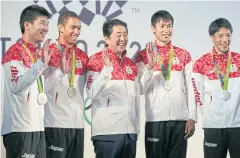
[114,56]
[64,46]
[164,49]
[216,55]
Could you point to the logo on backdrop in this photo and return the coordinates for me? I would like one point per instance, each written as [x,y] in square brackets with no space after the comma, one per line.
[87,11]
[87,15]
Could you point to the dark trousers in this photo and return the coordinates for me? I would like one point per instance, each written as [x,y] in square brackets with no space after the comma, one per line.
[115,146]
[165,139]
[218,141]
[25,144]
[64,142]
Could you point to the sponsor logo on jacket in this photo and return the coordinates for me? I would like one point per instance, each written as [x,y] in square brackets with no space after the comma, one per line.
[197,94]
[89,81]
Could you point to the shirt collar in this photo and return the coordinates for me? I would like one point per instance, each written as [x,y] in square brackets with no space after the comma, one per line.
[63,45]
[114,55]
[164,49]
[216,55]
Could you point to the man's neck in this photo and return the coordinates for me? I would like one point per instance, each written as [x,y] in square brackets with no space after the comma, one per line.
[219,52]
[61,40]
[162,44]
[29,40]
[119,54]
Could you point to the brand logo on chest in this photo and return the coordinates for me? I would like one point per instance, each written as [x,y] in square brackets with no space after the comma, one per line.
[129,70]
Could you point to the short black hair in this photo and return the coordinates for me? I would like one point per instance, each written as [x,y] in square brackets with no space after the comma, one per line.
[219,23]
[108,26]
[64,16]
[31,13]
[161,15]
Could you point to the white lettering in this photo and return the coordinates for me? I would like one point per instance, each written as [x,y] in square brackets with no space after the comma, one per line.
[54,148]
[28,155]
[210,144]
[152,139]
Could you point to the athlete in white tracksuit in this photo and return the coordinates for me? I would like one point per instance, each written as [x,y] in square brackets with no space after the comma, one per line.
[165,77]
[24,98]
[218,99]
[64,86]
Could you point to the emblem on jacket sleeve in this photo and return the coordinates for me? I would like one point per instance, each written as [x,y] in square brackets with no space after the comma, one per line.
[128,70]
[212,70]
[14,73]
[78,64]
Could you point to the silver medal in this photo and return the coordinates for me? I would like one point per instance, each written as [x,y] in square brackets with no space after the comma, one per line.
[167,85]
[226,95]
[71,92]
[42,98]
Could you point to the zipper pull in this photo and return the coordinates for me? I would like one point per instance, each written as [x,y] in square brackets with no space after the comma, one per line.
[28,96]
[108,103]
[56,97]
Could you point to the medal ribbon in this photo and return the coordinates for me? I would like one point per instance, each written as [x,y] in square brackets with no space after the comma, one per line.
[33,60]
[166,72]
[223,82]
[72,74]
[59,47]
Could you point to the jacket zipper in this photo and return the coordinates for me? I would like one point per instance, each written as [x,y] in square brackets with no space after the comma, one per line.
[120,64]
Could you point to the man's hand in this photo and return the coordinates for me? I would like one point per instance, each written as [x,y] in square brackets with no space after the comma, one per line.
[46,52]
[64,61]
[106,59]
[189,128]
[151,55]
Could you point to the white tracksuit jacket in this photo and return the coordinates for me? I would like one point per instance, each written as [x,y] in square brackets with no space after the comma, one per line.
[61,111]
[114,92]
[21,111]
[177,104]
[217,113]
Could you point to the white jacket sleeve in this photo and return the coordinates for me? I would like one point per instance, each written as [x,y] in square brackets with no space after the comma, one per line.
[198,82]
[97,82]
[137,102]
[192,107]
[18,78]
[52,76]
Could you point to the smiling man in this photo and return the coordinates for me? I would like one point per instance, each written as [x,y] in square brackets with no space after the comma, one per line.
[113,88]
[24,97]
[64,80]
[217,89]
[165,72]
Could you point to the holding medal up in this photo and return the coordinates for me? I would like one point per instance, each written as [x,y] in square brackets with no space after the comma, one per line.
[64,85]
[165,78]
